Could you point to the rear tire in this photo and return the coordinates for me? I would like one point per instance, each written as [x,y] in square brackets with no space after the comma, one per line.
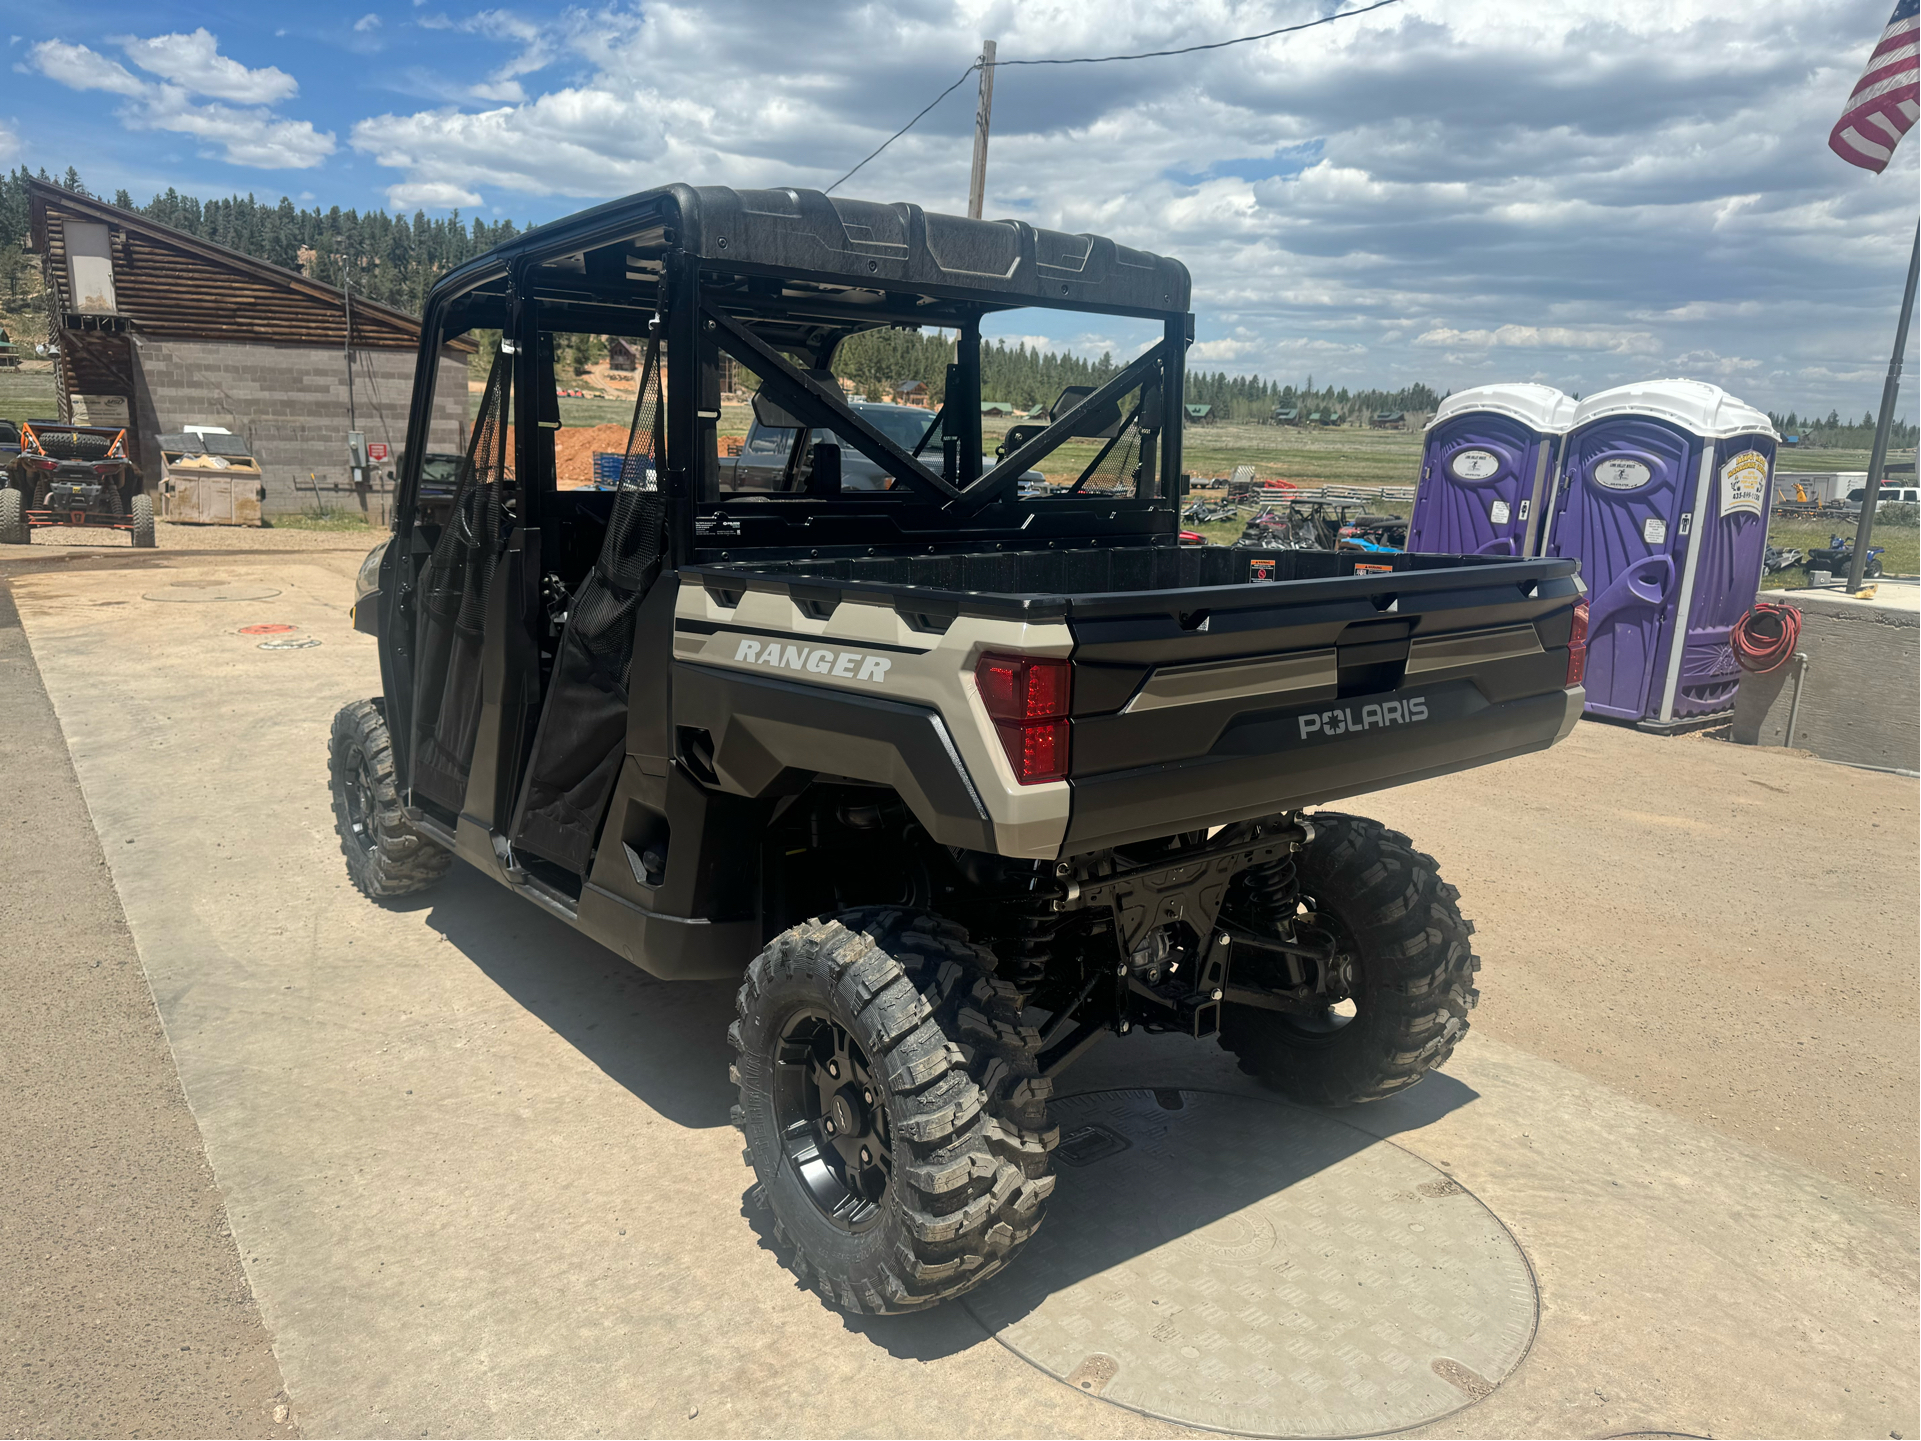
[143,521]
[385,855]
[940,1166]
[13,519]
[1411,966]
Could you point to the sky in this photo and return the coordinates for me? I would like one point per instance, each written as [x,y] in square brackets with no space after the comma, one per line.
[1579,192]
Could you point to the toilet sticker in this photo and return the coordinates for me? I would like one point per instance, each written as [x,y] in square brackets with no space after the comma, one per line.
[1621,474]
[1498,512]
[1744,481]
[1474,464]
[1654,530]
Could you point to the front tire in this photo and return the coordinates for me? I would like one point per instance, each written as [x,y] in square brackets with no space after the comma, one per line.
[893,1109]
[1408,957]
[385,855]
[142,520]
[13,519]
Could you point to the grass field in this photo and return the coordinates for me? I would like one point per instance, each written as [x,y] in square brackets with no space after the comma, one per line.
[27,395]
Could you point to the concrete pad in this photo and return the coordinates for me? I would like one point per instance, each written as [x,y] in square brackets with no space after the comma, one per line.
[483,1183]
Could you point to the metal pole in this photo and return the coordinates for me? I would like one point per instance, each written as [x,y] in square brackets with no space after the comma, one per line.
[1890,389]
[347,346]
[977,183]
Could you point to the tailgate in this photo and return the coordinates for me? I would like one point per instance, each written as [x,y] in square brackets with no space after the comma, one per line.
[1195,708]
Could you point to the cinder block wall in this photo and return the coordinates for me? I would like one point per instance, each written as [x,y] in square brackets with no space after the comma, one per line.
[291,405]
[1861,697]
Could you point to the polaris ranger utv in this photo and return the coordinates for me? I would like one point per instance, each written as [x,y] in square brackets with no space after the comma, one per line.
[956,777]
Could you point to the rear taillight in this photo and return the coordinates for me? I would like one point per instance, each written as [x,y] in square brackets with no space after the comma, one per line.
[1577,645]
[1027,697]
[41,462]
[107,469]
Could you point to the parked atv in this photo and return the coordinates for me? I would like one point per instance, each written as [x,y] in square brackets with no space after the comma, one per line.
[955,779]
[73,475]
[1837,558]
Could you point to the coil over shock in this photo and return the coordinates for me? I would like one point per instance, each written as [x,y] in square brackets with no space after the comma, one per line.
[1267,891]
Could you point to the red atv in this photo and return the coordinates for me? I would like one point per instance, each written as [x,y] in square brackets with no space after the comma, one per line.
[77,475]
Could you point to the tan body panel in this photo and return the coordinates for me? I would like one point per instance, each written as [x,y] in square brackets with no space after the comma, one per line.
[868,649]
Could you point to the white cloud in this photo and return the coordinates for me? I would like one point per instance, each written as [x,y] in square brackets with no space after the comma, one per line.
[9,144]
[1443,190]
[79,68]
[433,194]
[1544,337]
[195,64]
[192,65]
[369,21]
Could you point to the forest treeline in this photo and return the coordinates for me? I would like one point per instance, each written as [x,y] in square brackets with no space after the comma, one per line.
[1026,376]
[1834,433]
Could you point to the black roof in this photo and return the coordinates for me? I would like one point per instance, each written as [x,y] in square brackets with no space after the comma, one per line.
[854,243]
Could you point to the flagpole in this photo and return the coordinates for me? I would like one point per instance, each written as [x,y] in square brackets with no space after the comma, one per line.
[1877,458]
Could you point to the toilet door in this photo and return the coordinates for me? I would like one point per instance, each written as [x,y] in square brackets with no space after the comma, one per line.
[1477,487]
[1628,482]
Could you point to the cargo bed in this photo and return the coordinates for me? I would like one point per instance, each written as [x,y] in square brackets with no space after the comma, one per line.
[1200,694]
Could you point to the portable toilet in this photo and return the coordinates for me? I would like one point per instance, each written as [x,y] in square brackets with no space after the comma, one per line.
[1664,494]
[1489,458]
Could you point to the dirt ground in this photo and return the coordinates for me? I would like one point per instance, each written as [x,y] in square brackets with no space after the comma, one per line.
[1699,969]
[1725,932]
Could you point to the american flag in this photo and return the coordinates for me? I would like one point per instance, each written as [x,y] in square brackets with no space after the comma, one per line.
[1886,98]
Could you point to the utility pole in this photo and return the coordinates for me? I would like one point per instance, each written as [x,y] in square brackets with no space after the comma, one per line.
[347,344]
[1890,392]
[977,184]
[356,442]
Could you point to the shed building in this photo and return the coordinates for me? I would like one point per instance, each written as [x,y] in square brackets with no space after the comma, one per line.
[158,330]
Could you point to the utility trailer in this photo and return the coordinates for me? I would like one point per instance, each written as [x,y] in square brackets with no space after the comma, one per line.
[956,776]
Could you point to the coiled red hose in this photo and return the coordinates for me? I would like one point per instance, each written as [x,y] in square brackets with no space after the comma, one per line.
[1764,639]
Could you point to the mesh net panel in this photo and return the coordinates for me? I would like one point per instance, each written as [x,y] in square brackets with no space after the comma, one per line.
[453,604]
[1113,472]
[583,726]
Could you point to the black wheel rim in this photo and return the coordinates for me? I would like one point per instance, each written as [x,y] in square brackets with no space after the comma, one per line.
[357,793]
[832,1115]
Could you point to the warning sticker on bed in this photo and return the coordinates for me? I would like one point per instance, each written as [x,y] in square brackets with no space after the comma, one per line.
[1744,482]
[1260,570]
[1362,567]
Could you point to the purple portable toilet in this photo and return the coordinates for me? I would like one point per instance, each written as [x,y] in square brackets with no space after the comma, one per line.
[1488,461]
[1663,497]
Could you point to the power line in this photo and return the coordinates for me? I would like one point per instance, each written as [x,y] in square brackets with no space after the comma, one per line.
[1216,45]
[908,126]
[1104,60]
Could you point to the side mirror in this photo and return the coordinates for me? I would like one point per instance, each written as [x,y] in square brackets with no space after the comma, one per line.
[772,413]
[1105,420]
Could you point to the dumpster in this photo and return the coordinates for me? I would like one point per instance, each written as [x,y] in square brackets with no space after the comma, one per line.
[1489,459]
[209,477]
[1664,495]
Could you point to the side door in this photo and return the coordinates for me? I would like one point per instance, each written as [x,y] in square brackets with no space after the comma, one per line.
[1627,482]
[1480,487]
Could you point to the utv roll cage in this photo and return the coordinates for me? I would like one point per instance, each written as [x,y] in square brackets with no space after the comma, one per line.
[777,279]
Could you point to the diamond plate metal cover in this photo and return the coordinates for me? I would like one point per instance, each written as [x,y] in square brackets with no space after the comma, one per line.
[1250,1266]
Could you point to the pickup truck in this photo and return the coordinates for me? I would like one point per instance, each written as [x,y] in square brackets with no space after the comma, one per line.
[955,779]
